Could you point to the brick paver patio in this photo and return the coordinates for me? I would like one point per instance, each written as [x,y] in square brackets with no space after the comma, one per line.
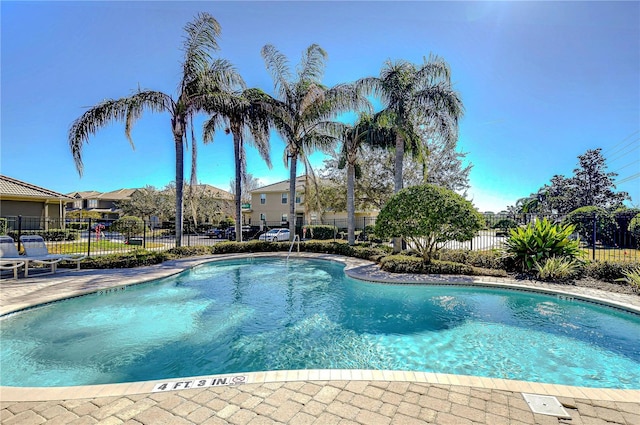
[466,400]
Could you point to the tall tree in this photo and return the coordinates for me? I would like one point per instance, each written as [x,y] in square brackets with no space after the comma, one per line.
[302,104]
[199,70]
[593,185]
[406,89]
[246,115]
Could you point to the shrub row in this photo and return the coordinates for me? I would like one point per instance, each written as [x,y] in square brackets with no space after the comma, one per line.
[321,231]
[49,235]
[412,264]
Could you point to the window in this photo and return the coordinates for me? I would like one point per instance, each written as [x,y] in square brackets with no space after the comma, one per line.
[263,198]
[263,217]
[92,203]
[284,218]
[77,204]
[297,199]
[285,198]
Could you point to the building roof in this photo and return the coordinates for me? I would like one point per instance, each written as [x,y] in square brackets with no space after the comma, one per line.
[117,195]
[282,186]
[13,187]
[84,195]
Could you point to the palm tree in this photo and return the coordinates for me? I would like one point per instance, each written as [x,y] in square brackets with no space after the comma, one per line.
[302,104]
[406,90]
[198,71]
[244,114]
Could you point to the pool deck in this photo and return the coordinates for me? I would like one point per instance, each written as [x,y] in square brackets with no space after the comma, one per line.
[320,397]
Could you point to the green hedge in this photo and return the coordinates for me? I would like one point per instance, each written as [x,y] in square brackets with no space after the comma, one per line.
[607,270]
[51,235]
[321,231]
[492,259]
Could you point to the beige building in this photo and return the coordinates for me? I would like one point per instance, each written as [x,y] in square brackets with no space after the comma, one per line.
[104,203]
[39,208]
[270,206]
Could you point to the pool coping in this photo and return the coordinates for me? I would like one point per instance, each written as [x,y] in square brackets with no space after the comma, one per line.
[32,291]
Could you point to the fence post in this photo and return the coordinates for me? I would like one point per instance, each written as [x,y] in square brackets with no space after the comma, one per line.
[89,238]
[19,230]
[144,234]
[595,216]
[334,229]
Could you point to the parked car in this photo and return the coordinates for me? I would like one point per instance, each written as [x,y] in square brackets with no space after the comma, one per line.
[275,235]
[215,233]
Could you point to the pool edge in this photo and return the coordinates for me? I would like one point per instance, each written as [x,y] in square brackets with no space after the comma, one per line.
[322,375]
[351,269]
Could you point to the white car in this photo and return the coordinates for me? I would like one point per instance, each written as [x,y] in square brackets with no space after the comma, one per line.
[275,235]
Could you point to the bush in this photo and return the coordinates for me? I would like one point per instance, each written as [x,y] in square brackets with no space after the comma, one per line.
[3,226]
[321,231]
[128,225]
[559,269]
[539,241]
[492,259]
[632,277]
[51,235]
[607,270]
[189,251]
[427,216]
[129,259]
[410,264]
[582,219]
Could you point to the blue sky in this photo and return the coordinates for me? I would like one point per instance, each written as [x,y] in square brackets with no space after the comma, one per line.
[541,82]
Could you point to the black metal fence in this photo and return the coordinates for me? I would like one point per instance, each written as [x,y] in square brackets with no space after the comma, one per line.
[612,237]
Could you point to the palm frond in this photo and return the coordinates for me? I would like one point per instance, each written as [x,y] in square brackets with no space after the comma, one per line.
[199,42]
[127,109]
[311,67]
[278,66]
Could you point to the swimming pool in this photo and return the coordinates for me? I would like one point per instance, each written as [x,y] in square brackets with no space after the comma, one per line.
[269,314]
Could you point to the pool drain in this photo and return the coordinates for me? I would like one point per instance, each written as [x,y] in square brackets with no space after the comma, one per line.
[545,405]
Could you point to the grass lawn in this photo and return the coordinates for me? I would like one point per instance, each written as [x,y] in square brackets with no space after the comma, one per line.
[101,246]
[610,254]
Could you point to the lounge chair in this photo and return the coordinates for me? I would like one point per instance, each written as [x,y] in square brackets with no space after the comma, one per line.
[9,257]
[36,250]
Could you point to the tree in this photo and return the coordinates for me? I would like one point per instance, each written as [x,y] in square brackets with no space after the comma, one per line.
[145,202]
[427,216]
[199,73]
[586,220]
[590,186]
[302,104]
[248,184]
[242,114]
[406,89]
[593,185]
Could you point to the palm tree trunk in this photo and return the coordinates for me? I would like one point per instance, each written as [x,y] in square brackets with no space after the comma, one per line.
[178,140]
[351,216]
[397,182]
[237,142]
[292,194]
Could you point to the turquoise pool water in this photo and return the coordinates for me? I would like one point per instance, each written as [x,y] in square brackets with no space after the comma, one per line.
[267,314]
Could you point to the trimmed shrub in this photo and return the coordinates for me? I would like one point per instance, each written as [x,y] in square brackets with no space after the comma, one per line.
[3,226]
[128,225]
[129,259]
[410,264]
[51,235]
[607,270]
[428,216]
[492,259]
[321,231]
[189,251]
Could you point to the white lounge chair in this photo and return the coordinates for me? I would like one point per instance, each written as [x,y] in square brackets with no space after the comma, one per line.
[36,250]
[9,257]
